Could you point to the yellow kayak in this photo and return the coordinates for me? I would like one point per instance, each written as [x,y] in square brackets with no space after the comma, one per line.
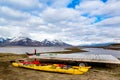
[53,68]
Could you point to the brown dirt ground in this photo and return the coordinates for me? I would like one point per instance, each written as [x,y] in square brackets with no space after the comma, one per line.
[8,72]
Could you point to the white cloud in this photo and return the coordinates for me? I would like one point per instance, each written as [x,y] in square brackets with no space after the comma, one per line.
[61,14]
[64,17]
[42,35]
[110,22]
[55,3]
[22,4]
[11,31]
[41,19]
[111,8]
[9,14]
[95,7]
[88,6]
[60,3]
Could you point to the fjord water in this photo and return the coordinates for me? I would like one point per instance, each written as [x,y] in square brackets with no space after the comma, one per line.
[22,50]
[102,51]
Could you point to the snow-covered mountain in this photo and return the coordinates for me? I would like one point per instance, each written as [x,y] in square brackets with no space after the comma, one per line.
[24,41]
[54,43]
[15,39]
[4,41]
[1,39]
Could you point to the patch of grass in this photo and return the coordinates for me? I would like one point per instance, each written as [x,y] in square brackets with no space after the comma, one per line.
[69,50]
[116,75]
[10,56]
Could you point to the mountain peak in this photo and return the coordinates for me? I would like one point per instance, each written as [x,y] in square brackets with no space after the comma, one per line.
[55,40]
[25,41]
[1,39]
[15,39]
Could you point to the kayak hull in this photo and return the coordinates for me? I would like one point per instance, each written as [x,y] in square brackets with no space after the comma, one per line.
[53,68]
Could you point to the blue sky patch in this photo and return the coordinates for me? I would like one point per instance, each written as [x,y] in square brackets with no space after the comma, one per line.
[73,3]
[98,19]
[104,1]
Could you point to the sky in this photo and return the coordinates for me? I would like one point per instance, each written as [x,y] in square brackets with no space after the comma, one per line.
[76,22]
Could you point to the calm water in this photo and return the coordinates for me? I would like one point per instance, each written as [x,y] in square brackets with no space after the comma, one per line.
[115,53]
[22,50]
